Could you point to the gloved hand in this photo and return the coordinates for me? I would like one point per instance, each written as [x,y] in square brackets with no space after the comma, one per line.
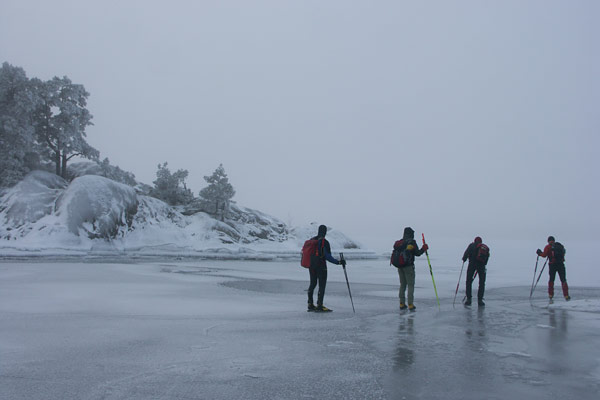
[539,252]
[343,263]
[425,247]
[464,260]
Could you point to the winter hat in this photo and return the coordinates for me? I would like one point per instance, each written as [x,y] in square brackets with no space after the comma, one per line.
[477,240]
[322,231]
[550,239]
[409,232]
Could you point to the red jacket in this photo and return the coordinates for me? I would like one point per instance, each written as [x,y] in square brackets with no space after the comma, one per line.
[550,254]
[547,251]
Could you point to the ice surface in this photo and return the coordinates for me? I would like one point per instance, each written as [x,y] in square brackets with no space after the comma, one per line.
[239,330]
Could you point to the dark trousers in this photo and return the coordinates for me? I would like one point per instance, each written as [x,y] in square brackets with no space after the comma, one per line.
[481,272]
[560,268]
[317,274]
[562,274]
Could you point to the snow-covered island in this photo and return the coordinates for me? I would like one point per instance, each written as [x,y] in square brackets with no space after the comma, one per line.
[45,214]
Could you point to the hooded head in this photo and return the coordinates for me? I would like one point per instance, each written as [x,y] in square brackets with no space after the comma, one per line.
[550,239]
[478,240]
[409,233]
[322,231]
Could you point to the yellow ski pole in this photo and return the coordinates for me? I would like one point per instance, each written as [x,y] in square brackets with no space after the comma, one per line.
[431,272]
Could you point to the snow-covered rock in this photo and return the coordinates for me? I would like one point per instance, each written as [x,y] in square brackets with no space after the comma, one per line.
[84,167]
[47,215]
[252,225]
[336,238]
[97,206]
[27,202]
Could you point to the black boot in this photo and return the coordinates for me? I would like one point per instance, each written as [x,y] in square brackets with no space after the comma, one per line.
[480,303]
[468,302]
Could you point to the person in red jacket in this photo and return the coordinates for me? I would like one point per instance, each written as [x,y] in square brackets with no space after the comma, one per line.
[556,263]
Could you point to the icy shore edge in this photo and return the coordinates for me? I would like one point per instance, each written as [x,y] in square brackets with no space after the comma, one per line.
[152,253]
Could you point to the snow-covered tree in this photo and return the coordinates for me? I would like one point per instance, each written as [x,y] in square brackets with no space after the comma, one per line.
[170,187]
[219,192]
[60,121]
[40,123]
[17,140]
[116,174]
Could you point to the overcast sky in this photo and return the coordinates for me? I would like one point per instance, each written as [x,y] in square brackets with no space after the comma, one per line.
[457,118]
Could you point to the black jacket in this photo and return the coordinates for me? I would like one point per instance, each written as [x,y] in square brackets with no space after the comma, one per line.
[471,254]
[324,251]
[411,251]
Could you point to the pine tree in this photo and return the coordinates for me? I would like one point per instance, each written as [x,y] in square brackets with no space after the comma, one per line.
[219,192]
[60,121]
[170,187]
[40,122]
[116,174]
[17,139]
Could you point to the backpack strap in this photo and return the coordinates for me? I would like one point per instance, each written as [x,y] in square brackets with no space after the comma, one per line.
[321,247]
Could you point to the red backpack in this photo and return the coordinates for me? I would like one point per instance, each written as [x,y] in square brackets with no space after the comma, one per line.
[310,249]
[400,255]
[483,253]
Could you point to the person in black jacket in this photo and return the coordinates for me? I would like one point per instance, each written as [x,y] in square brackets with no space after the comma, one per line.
[409,247]
[478,254]
[318,270]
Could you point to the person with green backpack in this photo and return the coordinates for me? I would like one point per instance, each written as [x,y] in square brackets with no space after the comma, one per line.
[403,258]
[555,252]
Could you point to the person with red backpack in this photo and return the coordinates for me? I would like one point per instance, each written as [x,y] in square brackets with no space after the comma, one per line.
[556,263]
[315,254]
[403,258]
[478,255]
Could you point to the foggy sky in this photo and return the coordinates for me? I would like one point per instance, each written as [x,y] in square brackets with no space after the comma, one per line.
[456,118]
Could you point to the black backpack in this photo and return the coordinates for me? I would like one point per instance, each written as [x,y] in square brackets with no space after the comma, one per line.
[401,257]
[558,252]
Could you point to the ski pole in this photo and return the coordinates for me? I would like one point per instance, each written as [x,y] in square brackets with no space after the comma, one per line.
[431,273]
[347,283]
[458,284]
[540,275]
[534,273]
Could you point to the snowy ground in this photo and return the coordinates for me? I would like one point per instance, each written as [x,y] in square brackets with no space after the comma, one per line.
[239,330]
